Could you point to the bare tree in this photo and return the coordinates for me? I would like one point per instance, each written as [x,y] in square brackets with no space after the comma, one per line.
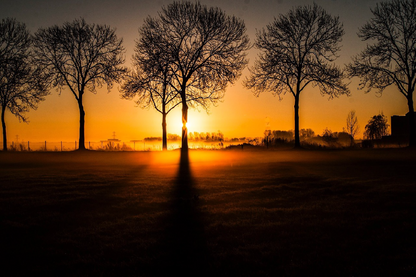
[150,81]
[352,125]
[206,48]
[21,86]
[391,58]
[298,49]
[82,57]
[376,127]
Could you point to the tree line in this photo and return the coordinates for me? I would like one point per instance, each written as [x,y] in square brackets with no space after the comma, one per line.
[375,129]
[188,55]
[192,136]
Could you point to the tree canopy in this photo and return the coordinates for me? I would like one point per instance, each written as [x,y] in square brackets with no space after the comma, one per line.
[376,127]
[22,85]
[151,79]
[205,49]
[81,57]
[297,50]
[390,56]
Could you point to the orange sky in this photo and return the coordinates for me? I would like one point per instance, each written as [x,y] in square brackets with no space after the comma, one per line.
[240,114]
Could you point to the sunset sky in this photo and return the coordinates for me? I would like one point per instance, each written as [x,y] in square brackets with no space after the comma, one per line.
[240,114]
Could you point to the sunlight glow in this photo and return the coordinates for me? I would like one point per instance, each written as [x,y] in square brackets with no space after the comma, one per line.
[188,124]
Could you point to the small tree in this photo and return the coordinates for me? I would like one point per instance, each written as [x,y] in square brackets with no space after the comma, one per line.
[376,127]
[206,49]
[21,85]
[391,59]
[268,136]
[352,125]
[152,77]
[82,57]
[297,50]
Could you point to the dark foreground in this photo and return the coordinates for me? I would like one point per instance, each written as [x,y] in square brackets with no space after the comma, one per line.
[222,213]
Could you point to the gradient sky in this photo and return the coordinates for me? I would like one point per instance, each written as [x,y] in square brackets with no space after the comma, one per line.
[240,114]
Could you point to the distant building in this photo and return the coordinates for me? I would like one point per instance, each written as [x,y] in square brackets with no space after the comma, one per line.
[400,128]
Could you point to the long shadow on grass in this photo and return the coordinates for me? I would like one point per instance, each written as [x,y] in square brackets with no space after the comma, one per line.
[185,250]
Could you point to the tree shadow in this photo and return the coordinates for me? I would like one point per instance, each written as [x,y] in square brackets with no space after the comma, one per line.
[185,248]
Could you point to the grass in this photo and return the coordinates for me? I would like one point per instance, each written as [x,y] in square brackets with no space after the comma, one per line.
[229,212]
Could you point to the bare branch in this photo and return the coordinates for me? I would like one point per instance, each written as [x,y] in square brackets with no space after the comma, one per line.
[22,85]
[391,56]
[80,56]
[297,50]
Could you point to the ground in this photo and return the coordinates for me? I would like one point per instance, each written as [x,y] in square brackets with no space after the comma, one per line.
[225,213]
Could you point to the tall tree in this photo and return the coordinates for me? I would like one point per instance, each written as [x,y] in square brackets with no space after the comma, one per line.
[352,125]
[150,80]
[391,58]
[21,85]
[82,57]
[298,49]
[376,127]
[206,48]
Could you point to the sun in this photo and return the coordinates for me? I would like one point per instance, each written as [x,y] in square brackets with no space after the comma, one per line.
[175,124]
[196,122]
[188,124]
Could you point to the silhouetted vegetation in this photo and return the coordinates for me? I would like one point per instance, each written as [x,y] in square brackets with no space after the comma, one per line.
[352,125]
[391,58]
[205,49]
[189,53]
[376,127]
[327,139]
[193,136]
[151,80]
[22,86]
[297,50]
[81,57]
[214,136]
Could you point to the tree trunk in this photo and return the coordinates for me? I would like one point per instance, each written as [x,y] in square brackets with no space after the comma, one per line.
[184,128]
[3,125]
[412,123]
[164,133]
[81,144]
[297,140]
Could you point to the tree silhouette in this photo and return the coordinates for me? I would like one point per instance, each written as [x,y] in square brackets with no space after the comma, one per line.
[206,49]
[21,85]
[376,127]
[391,59]
[298,49]
[151,79]
[82,57]
[352,125]
[329,137]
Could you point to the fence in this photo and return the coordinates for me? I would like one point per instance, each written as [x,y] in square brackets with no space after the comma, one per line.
[62,146]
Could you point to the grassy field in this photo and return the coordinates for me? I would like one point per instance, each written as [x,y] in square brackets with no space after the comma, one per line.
[214,213]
